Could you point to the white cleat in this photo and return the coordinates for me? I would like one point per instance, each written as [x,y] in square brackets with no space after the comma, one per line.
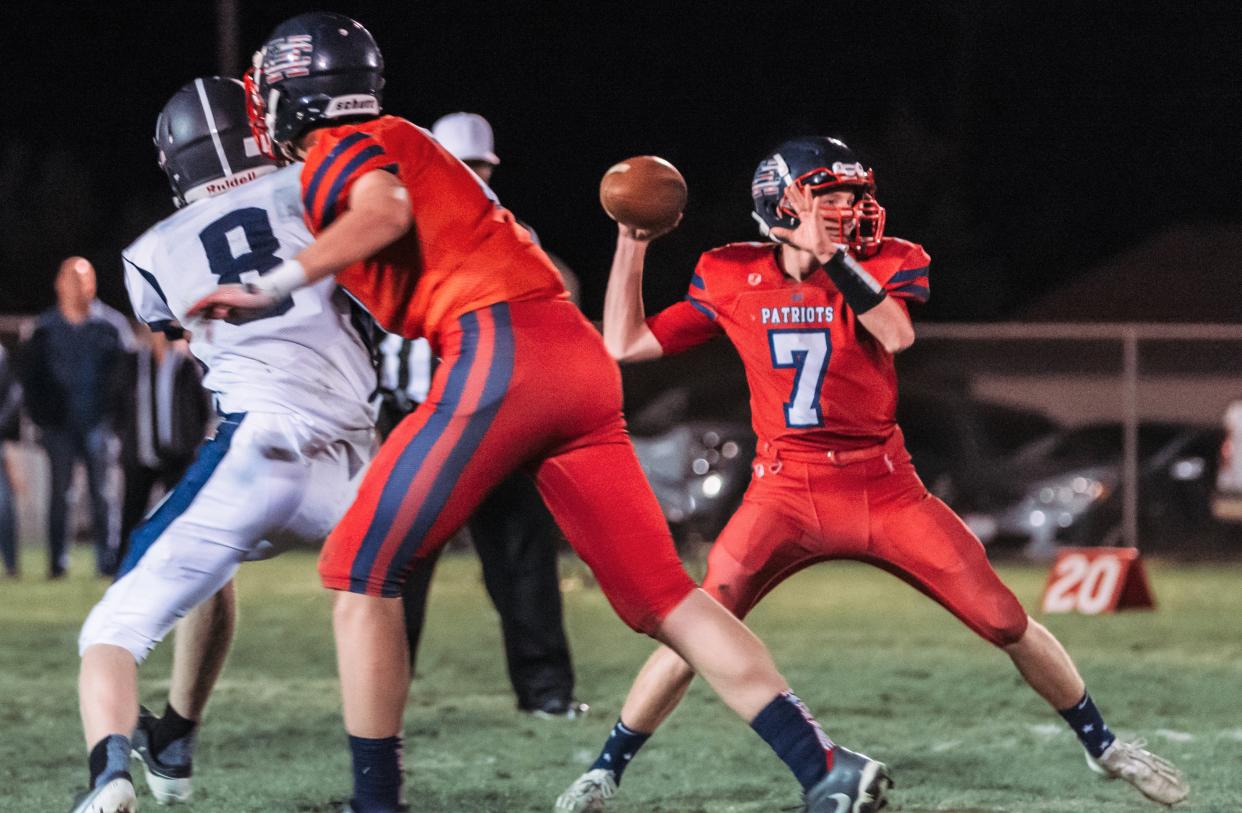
[1155,778]
[588,792]
[116,796]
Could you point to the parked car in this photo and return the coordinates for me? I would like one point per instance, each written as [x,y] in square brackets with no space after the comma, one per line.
[698,466]
[1066,488]
[1227,500]
[956,441]
[696,445]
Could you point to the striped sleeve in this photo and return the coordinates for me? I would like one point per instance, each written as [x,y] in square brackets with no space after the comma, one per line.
[912,280]
[333,174]
[688,323]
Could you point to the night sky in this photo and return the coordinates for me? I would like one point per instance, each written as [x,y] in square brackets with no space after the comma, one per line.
[1021,143]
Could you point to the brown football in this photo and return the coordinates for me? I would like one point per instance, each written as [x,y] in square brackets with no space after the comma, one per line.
[644,192]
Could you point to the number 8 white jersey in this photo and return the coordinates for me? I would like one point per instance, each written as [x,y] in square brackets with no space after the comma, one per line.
[306,357]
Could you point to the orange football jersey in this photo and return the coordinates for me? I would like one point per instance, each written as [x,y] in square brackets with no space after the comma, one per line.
[464,252]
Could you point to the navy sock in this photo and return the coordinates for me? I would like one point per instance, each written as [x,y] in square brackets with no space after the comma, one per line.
[1087,723]
[788,726]
[377,774]
[109,759]
[170,728]
[620,748]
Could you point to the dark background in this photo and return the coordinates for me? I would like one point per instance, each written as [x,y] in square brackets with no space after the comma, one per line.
[1020,142]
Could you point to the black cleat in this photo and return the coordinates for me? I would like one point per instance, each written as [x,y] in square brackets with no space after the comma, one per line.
[558,708]
[168,775]
[856,784]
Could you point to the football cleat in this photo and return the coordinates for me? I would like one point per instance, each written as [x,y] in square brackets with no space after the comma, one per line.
[1155,778]
[349,808]
[114,796]
[168,774]
[559,710]
[856,784]
[588,792]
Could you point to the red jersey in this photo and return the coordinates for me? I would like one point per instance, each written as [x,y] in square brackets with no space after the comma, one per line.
[464,252]
[818,380]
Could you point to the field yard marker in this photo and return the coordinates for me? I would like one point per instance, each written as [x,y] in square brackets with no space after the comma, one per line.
[1092,581]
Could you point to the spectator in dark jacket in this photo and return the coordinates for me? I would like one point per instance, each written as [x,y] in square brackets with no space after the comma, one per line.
[10,403]
[69,371]
[164,422]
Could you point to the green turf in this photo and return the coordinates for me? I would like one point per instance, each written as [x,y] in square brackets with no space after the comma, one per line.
[886,671]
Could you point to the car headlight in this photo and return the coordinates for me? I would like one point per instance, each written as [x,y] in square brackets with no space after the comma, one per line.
[1067,495]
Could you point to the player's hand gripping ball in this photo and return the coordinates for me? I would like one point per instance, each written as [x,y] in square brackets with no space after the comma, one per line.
[644,192]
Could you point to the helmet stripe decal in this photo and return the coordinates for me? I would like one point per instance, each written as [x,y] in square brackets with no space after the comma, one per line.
[783,169]
[211,126]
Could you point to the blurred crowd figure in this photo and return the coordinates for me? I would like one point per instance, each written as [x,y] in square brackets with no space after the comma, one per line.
[70,371]
[166,417]
[10,406]
[512,531]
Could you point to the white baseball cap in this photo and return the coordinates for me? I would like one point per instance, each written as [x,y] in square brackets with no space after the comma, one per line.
[467,136]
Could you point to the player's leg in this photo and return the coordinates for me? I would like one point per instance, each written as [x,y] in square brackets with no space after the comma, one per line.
[185,552]
[759,533]
[429,476]
[601,500]
[919,538]
[516,540]
[166,743]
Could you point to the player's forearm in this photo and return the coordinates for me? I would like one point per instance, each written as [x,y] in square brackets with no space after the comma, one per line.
[354,236]
[626,334]
[889,323]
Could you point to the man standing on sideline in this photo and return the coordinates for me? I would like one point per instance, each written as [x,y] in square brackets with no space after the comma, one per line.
[512,531]
[165,421]
[69,371]
[10,404]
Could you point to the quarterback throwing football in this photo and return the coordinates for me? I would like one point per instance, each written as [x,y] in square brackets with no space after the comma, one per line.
[816,317]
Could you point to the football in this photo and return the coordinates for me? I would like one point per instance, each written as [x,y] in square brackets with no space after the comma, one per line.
[644,192]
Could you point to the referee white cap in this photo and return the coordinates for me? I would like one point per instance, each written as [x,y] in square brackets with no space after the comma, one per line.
[467,136]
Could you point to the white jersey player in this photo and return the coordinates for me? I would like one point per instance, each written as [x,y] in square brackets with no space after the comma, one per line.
[296,429]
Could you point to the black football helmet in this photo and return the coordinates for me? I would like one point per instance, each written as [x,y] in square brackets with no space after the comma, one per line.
[203,141]
[315,67]
[818,163]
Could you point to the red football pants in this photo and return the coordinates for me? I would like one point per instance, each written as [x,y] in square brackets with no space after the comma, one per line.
[520,384]
[797,512]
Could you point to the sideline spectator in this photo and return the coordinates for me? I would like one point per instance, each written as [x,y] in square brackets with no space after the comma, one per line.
[10,404]
[68,369]
[165,421]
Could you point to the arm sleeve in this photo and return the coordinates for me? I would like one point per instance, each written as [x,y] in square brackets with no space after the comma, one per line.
[333,174]
[688,323]
[911,282]
[147,297]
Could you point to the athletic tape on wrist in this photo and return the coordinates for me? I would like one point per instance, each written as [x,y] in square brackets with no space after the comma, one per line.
[282,281]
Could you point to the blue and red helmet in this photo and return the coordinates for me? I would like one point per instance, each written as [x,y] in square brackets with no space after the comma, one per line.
[203,141]
[314,68]
[818,163]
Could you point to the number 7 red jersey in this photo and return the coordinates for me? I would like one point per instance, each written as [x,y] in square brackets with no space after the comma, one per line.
[818,380]
[464,252]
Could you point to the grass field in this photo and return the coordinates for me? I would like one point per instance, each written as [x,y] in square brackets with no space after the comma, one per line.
[885,670]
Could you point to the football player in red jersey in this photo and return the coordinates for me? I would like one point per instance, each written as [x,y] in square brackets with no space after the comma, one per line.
[816,317]
[525,381]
